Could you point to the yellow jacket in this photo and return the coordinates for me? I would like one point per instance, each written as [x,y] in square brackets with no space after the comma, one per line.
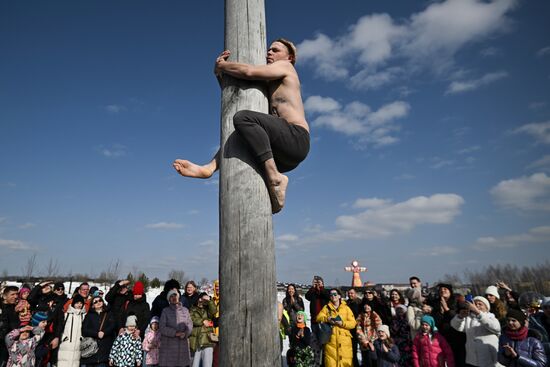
[338,351]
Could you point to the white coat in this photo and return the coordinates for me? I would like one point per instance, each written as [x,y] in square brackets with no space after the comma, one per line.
[482,332]
[69,349]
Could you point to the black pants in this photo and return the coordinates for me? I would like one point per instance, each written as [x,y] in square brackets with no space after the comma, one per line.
[273,137]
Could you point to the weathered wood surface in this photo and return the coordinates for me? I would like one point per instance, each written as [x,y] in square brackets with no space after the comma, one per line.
[248,325]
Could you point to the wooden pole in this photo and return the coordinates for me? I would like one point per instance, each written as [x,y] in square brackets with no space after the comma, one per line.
[248,295]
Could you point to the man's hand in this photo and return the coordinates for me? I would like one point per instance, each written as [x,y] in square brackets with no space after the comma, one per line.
[474,309]
[100,334]
[218,68]
[509,351]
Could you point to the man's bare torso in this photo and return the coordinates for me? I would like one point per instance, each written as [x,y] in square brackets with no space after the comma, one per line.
[285,99]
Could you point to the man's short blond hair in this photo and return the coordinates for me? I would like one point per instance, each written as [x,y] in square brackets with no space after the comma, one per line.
[290,47]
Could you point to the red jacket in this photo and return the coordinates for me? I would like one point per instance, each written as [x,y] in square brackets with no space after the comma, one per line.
[432,352]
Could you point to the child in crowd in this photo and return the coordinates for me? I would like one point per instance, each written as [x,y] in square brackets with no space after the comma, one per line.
[21,345]
[300,353]
[126,350]
[429,347]
[23,308]
[383,350]
[151,343]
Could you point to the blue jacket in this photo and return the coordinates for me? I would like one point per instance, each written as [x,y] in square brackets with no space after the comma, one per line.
[385,359]
[530,352]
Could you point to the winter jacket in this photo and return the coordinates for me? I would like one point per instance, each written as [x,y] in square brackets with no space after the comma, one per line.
[414,317]
[126,350]
[151,344]
[23,309]
[384,359]
[317,300]
[21,352]
[174,351]
[541,323]
[431,350]
[117,302]
[139,308]
[199,336]
[189,300]
[338,351]
[90,328]
[530,352]
[69,348]
[366,329]
[482,333]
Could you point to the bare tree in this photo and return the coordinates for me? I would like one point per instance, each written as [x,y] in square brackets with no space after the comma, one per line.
[178,275]
[113,270]
[52,268]
[30,267]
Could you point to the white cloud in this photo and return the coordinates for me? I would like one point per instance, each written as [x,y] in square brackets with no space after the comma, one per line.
[469,150]
[113,151]
[287,238]
[543,51]
[438,163]
[535,235]
[14,245]
[164,225]
[524,193]
[473,84]
[428,39]
[371,203]
[27,225]
[437,251]
[115,108]
[542,163]
[357,120]
[489,51]
[538,130]
[404,216]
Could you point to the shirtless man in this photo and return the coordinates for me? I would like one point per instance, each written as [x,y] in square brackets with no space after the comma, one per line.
[279,140]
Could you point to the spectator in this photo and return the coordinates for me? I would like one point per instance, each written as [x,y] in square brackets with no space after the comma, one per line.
[161,302]
[175,328]
[69,349]
[540,321]
[367,326]
[516,348]
[354,303]
[23,307]
[430,348]
[48,347]
[417,308]
[59,291]
[396,299]
[338,351]
[99,324]
[84,290]
[383,350]
[318,297]
[300,352]
[292,302]
[126,350]
[201,341]
[151,343]
[137,305]
[21,346]
[415,282]
[497,306]
[9,320]
[117,297]
[377,305]
[190,295]
[401,332]
[482,330]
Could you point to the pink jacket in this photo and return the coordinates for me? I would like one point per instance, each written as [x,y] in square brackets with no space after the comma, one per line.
[434,352]
[151,344]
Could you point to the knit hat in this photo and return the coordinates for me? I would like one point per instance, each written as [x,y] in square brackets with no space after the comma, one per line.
[154,319]
[484,300]
[415,296]
[58,285]
[24,290]
[302,313]
[138,288]
[131,320]
[430,321]
[445,285]
[37,317]
[518,315]
[401,308]
[493,291]
[385,329]
[171,293]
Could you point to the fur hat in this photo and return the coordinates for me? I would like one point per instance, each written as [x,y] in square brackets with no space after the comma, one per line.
[131,320]
[37,317]
[518,315]
[77,298]
[138,288]
[484,300]
[171,293]
[154,319]
[493,291]
[384,328]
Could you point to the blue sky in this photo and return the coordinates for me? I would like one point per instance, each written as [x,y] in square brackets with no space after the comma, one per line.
[430,127]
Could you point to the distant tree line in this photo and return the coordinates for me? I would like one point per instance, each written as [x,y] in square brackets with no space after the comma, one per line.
[519,278]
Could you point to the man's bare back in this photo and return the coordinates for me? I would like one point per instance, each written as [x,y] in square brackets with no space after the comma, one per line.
[285,102]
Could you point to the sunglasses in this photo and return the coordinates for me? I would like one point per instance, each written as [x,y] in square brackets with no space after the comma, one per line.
[98,301]
[333,294]
[59,289]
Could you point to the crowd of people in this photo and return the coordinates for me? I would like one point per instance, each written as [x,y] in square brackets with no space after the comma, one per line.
[42,326]
[420,328]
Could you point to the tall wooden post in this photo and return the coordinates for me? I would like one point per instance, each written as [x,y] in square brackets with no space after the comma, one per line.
[248,310]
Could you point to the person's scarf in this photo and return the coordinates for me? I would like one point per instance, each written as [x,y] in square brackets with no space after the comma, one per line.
[300,325]
[519,334]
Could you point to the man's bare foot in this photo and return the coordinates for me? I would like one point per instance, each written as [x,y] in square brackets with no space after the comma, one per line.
[277,194]
[190,169]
